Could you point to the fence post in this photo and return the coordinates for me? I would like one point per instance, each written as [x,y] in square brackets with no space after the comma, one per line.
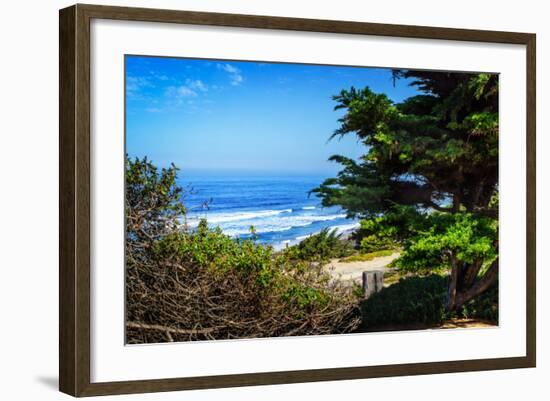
[373,281]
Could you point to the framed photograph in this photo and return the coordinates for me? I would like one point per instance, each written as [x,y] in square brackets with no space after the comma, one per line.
[249,200]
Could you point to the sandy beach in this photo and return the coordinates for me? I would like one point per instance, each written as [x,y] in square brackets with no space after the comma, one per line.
[352,271]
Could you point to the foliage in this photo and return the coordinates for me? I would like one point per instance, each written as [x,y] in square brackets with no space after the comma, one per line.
[198,284]
[439,237]
[430,238]
[431,147]
[320,247]
[152,197]
[429,178]
[152,205]
[213,250]
[421,300]
[412,300]
[387,231]
[392,276]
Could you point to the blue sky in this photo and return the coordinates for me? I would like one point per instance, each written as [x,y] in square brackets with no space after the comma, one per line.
[233,117]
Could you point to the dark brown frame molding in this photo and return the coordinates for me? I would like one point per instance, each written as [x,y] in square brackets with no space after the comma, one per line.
[74,199]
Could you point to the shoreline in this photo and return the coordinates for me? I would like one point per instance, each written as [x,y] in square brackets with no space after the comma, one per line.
[274,223]
[344,231]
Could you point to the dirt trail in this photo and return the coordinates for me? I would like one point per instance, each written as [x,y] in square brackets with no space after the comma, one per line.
[353,270]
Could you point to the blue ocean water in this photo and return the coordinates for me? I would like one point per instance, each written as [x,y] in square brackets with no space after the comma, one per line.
[280,208]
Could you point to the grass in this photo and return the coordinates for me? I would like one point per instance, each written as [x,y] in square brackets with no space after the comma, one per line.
[365,257]
[392,276]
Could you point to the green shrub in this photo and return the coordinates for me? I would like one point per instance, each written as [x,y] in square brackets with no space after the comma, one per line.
[422,300]
[373,243]
[381,233]
[411,300]
[365,257]
[320,247]
[465,237]
[214,287]
[212,249]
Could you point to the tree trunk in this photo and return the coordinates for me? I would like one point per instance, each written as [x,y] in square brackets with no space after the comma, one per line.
[479,286]
[457,298]
[456,203]
[453,281]
[469,274]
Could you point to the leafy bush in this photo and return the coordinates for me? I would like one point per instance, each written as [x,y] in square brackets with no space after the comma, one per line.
[411,300]
[213,250]
[365,257]
[320,247]
[385,232]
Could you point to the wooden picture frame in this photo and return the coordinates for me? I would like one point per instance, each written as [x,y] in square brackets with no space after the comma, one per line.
[74,203]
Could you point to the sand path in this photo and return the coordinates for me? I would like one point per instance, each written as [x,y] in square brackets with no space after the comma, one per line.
[353,270]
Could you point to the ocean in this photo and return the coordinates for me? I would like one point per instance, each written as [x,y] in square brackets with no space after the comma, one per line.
[280,208]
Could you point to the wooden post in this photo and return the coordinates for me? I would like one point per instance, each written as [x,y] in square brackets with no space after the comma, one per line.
[373,281]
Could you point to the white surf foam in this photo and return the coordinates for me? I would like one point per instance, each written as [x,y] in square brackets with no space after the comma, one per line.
[264,222]
[219,218]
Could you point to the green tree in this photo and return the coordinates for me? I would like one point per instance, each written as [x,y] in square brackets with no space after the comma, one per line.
[429,177]
[153,205]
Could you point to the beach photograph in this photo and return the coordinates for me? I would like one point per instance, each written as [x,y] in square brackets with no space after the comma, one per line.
[267,199]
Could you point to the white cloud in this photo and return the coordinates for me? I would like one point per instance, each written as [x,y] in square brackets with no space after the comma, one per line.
[184,91]
[229,68]
[196,84]
[161,77]
[236,79]
[180,91]
[234,73]
[134,84]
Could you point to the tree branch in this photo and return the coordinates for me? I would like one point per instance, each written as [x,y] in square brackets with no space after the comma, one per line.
[166,329]
[435,206]
[480,286]
[410,193]
[487,212]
